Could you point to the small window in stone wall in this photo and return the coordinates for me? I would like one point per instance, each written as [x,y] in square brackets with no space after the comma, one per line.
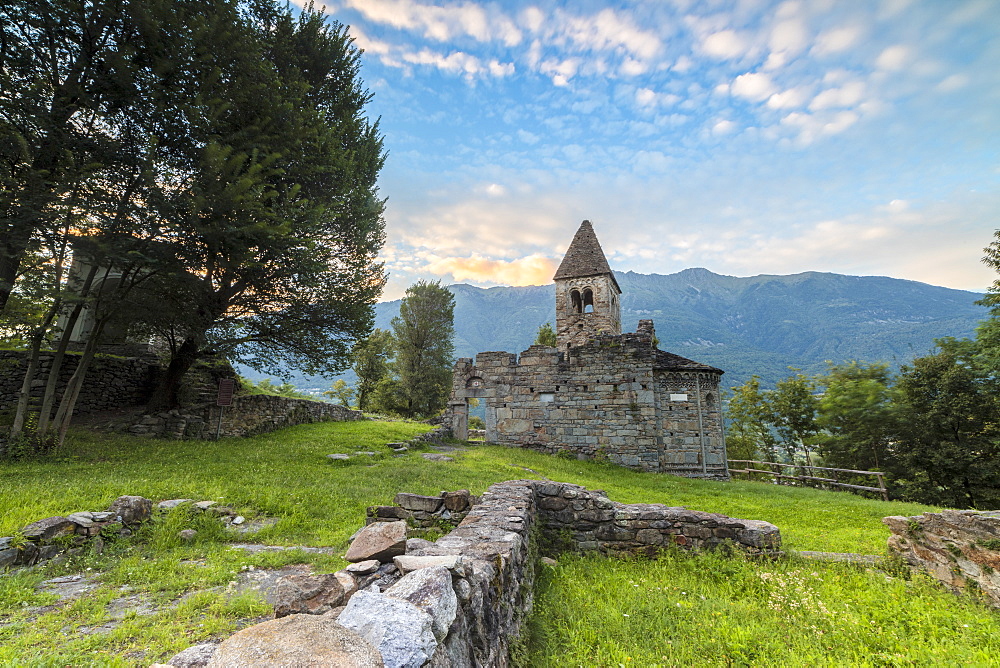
[678,397]
[588,300]
[576,301]
[547,396]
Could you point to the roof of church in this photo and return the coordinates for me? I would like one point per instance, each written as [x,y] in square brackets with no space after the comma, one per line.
[671,362]
[584,257]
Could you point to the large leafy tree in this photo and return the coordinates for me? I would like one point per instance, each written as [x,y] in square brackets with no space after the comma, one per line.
[271,205]
[855,414]
[370,360]
[424,351]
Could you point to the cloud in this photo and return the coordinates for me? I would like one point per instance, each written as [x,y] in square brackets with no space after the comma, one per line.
[530,270]
[788,99]
[608,31]
[847,95]
[456,62]
[754,86]
[894,58]
[725,44]
[440,23]
[836,40]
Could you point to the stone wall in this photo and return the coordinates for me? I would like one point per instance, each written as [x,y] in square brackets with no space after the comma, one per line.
[490,562]
[112,382]
[961,548]
[613,398]
[249,415]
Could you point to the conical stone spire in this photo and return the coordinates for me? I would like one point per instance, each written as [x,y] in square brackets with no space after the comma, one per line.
[584,257]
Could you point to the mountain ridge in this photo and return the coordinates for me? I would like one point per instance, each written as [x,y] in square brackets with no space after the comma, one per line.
[744,325]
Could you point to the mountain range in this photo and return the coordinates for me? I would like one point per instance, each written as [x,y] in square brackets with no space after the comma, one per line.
[754,325]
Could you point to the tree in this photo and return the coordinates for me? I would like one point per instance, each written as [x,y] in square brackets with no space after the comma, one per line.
[271,206]
[341,393]
[855,414]
[546,336]
[370,360]
[750,433]
[948,411]
[424,357]
[792,412]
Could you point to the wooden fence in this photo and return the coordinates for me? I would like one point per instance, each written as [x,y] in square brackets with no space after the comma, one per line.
[806,475]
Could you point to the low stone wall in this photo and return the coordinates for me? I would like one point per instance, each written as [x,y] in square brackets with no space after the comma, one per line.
[249,415]
[112,382]
[493,552]
[961,548]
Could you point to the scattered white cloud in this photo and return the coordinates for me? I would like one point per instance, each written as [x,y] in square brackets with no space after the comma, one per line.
[894,58]
[836,40]
[440,23]
[754,86]
[788,99]
[530,270]
[848,95]
[723,127]
[725,44]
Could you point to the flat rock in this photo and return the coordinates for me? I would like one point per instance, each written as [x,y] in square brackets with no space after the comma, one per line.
[381,541]
[296,641]
[408,563]
[365,567]
[402,632]
[338,457]
[417,544]
[436,457]
[307,594]
[49,528]
[170,504]
[428,504]
[430,590]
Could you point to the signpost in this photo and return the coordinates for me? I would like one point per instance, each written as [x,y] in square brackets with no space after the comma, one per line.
[227,387]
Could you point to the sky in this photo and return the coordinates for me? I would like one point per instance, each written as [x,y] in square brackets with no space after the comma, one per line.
[747,137]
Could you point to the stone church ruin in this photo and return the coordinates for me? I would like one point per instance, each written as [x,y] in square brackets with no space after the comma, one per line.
[600,394]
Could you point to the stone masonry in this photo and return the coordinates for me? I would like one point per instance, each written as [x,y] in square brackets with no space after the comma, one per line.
[599,394]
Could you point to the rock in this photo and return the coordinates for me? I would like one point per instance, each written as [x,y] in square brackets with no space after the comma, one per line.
[195,656]
[458,501]
[307,594]
[296,641]
[84,519]
[365,567]
[103,516]
[131,509]
[366,453]
[205,505]
[413,544]
[402,632]
[348,582]
[338,457]
[428,504]
[381,540]
[8,556]
[187,534]
[548,561]
[408,563]
[49,529]
[436,457]
[430,590]
[170,504]
[239,519]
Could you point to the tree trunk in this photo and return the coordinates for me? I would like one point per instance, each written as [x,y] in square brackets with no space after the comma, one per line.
[65,413]
[24,396]
[49,397]
[165,395]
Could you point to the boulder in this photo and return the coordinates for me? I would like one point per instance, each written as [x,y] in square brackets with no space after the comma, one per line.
[430,590]
[49,529]
[296,641]
[195,656]
[307,594]
[131,509]
[458,501]
[365,567]
[428,504]
[402,632]
[381,541]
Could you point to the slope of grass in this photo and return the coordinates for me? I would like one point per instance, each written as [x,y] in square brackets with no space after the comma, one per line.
[286,475]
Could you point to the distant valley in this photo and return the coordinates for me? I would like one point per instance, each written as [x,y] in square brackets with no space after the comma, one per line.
[755,325]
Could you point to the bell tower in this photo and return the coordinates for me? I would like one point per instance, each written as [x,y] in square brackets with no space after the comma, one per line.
[587,295]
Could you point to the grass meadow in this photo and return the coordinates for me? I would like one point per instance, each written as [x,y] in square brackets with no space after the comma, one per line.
[677,610]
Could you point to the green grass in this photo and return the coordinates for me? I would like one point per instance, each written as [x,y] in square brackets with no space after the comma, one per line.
[286,475]
[708,609]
